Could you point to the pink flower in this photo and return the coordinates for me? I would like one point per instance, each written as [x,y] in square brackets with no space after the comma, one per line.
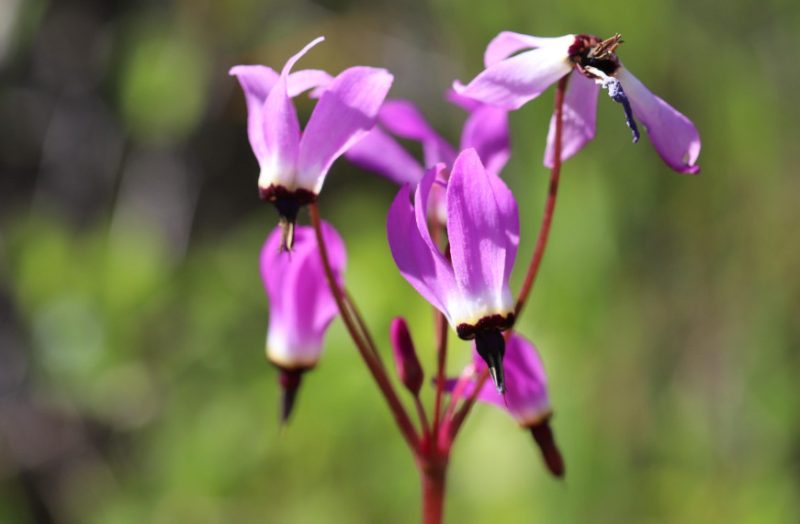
[510,80]
[526,398]
[294,164]
[470,286]
[301,306]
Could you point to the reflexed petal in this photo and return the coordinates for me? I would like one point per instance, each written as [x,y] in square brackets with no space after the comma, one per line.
[281,129]
[256,82]
[382,154]
[516,80]
[425,269]
[674,136]
[483,229]
[579,118]
[486,130]
[301,304]
[507,43]
[402,118]
[301,81]
[526,397]
[343,115]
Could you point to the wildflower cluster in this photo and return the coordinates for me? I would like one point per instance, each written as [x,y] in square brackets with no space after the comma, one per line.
[453,228]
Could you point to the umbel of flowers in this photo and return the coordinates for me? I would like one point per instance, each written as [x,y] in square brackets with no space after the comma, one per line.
[453,228]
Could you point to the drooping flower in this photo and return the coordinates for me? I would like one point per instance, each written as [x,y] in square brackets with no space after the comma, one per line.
[294,164]
[301,306]
[510,80]
[485,130]
[469,285]
[526,398]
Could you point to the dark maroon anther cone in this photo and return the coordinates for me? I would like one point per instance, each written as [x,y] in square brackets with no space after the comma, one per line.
[491,347]
[543,436]
[289,380]
[405,356]
[288,204]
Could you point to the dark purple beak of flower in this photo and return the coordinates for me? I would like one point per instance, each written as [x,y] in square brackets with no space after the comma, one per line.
[289,380]
[543,435]
[288,204]
[491,347]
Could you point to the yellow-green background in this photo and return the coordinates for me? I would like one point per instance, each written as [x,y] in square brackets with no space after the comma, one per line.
[133,386]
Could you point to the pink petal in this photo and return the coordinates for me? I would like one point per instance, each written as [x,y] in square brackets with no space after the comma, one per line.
[343,115]
[421,266]
[483,229]
[380,153]
[579,118]
[301,304]
[256,81]
[404,119]
[507,43]
[486,130]
[526,397]
[514,81]
[673,135]
[281,129]
[301,81]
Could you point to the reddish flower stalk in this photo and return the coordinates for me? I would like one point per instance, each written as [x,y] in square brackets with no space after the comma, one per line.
[550,205]
[367,353]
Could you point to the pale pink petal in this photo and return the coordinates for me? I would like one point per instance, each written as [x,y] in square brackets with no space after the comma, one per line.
[345,112]
[674,136]
[507,43]
[579,118]
[514,81]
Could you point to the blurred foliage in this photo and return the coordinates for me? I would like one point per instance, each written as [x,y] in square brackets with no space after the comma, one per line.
[133,386]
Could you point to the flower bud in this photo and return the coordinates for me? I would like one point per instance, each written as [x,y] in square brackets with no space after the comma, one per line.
[405,356]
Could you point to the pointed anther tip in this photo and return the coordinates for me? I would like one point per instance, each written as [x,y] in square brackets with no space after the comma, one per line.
[287,234]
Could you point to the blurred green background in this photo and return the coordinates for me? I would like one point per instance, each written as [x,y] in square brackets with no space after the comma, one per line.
[133,386]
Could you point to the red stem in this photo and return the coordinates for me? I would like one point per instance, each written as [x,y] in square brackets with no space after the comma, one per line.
[367,353]
[547,218]
[433,471]
[441,352]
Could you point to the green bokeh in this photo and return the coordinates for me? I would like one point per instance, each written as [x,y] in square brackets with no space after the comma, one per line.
[666,310]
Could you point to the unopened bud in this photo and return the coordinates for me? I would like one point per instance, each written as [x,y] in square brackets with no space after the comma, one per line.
[405,356]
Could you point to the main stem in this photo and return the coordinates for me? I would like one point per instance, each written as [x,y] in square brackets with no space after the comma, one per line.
[550,205]
[367,352]
[433,471]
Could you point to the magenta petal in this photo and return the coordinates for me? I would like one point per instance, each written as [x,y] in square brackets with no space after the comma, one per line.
[281,129]
[424,268]
[256,81]
[380,153]
[526,397]
[301,81]
[343,115]
[483,229]
[514,81]
[301,304]
[486,130]
[507,43]
[404,119]
[673,135]
[579,118]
